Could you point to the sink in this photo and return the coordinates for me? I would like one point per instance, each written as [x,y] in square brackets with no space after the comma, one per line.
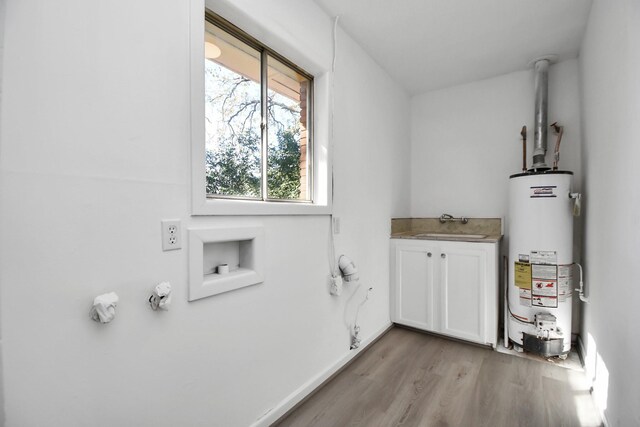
[452,235]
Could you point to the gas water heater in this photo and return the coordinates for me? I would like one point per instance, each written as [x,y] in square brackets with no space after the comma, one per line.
[540,227]
[541,261]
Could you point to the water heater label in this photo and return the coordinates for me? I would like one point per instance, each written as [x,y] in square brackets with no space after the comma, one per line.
[545,288]
[544,285]
[543,191]
[543,257]
[544,272]
[540,301]
[565,277]
[522,275]
[525,297]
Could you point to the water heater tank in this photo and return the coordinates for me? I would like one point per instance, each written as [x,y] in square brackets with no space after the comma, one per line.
[540,226]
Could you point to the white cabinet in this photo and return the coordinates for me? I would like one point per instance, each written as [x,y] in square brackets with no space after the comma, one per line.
[446,287]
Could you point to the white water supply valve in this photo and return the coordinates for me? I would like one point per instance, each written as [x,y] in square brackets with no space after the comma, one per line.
[104,307]
[160,296]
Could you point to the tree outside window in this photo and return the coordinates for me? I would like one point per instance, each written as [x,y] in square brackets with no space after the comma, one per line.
[234,108]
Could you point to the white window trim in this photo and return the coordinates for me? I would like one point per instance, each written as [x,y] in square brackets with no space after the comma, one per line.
[200,204]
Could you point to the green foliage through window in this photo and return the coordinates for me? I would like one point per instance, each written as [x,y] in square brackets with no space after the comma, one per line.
[233,107]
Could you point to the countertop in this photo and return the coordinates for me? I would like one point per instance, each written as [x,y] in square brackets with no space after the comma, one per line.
[422,235]
[481,230]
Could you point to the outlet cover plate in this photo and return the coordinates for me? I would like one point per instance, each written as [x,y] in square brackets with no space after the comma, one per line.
[171,235]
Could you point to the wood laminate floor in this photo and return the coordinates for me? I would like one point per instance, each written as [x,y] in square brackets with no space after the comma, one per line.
[412,379]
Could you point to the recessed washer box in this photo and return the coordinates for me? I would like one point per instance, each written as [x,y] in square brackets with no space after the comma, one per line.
[241,248]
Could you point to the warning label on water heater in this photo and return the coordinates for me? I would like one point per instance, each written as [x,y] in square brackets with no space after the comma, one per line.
[538,277]
[522,275]
[565,278]
[544,285]
[543,257]
[525,297]
[540,301]
[545,288]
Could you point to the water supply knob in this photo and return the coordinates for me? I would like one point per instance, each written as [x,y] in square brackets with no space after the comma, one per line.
[160,296]
[104,307]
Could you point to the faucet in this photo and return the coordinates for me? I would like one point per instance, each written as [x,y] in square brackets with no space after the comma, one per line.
[445,217]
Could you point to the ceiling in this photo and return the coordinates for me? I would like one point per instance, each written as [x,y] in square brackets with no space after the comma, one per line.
[430,44]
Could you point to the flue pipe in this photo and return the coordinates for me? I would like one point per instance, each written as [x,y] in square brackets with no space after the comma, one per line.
[541,68]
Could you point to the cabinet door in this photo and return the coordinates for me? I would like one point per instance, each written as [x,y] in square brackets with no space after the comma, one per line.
[414,275]
[463,287]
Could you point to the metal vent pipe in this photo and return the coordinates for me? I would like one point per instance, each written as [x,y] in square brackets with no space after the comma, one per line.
[541,68]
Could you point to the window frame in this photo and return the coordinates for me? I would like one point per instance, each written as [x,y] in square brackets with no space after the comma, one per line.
[318,201]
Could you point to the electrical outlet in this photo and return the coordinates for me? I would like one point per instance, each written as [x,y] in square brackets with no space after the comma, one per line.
[171,235]
[336,225]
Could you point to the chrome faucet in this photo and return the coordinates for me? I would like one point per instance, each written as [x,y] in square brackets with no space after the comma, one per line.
[445,217]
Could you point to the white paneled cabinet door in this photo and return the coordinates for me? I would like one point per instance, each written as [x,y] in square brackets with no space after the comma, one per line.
[463,287]
[414,271]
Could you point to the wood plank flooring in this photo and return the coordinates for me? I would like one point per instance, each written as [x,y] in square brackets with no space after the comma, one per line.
[412,379]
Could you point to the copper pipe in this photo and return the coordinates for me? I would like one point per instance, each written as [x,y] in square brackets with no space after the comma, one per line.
[523,133]
[559,130]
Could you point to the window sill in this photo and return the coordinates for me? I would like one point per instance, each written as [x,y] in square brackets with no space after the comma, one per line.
[250,207]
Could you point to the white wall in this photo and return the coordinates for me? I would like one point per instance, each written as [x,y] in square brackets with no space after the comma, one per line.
[94,143]
[610,69]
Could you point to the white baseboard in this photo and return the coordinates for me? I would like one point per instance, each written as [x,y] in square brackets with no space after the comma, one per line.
[297,396]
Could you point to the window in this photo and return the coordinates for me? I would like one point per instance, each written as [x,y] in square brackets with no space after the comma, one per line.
[258,120]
